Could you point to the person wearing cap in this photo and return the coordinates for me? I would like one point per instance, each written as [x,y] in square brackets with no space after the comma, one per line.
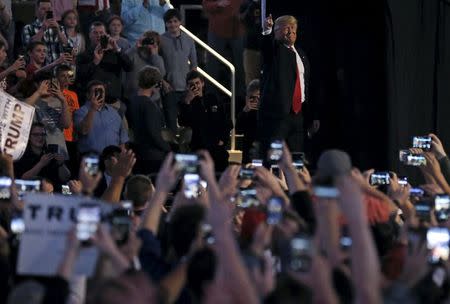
[147,122]
[284,86]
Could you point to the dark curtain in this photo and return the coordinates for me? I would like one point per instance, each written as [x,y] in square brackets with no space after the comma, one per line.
[418,73]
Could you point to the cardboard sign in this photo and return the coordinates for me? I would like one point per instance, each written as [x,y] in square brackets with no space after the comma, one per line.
[16,118]
[48,218]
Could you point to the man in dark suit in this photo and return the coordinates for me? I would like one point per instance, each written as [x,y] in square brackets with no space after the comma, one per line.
[285,86]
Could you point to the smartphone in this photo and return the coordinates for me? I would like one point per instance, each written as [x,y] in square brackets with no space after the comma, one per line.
[257,162]
[92,165]
[422,142]
[298,164]
[301,253]
[52,148]
[17,224]
[442,207]
[423,210]
[65,190]
[88,219]
[148,41]
[49,15]
[187,163]
[380,178]
[326,192]
[275,170]
[416,192]
[68,50]
[247,173]
[276,151]
[298,156]
[247,198]
[104,40]
[438,244]
[5,188]
[415,160]
[274,210]
[403,181]
[121,224]
[191,182]
[27,186]
[98,93]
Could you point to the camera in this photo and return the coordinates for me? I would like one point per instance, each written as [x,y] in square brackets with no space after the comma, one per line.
[148,41]
[422,142]
[88,218]
[274,210]
[438,244]
[380,178]
[276,151]
[104,40]
[412,159]
[301,253]
[403,181]
[247,198]
[442,207]
[92,165]
[187,163]
[5,188]
[247,173]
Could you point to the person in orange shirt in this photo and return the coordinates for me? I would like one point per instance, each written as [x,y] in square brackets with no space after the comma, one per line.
[64,76]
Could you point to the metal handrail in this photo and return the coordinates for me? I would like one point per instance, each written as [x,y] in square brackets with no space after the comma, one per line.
[232,93]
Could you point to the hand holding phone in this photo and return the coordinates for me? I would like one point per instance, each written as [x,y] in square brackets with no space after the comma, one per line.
[88,219]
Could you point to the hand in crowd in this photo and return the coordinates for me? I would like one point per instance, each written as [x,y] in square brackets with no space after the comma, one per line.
[97,102]
[46,159]
[124,165]
[75,186]
[44,88]
[88,181]
[98,54]
[18,64]
[167,176]
[436,147]
[191,93]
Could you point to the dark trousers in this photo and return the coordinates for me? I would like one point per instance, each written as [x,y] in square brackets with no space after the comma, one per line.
[289,129]
[170,107]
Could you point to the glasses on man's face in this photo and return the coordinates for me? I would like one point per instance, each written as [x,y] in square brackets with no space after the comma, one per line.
[39,134]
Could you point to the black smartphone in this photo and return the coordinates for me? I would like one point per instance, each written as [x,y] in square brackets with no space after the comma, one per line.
[423,210]
[422,142]
[68,49]
[52,148]
[104,40]
[5,188]
[88,219]
[380,178]
[98,93]
[121,225]
[276,151]
[274,210]
[92,164]
[187,163]
[247,173]
[148,41]
[438,243]
[49,15]
[301,253]
[275,170]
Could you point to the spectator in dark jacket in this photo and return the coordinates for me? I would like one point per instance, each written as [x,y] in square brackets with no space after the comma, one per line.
[147,122]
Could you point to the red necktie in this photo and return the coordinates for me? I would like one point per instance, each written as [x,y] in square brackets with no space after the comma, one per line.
[297,96]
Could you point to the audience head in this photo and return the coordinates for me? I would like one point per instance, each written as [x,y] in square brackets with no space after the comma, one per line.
[64,74]
[38,135]
[138,189]
[196,81]
[115,25]
[70,19]
[42,7]
[97,30]
[109,158]
[93,86]
[172,19]
[149,77]
[285,29]
[37,51]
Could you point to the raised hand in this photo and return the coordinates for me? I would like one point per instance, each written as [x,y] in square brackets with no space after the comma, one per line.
[437,148]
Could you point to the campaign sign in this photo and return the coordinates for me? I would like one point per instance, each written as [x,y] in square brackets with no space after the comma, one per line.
[16,118]
[48,218]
